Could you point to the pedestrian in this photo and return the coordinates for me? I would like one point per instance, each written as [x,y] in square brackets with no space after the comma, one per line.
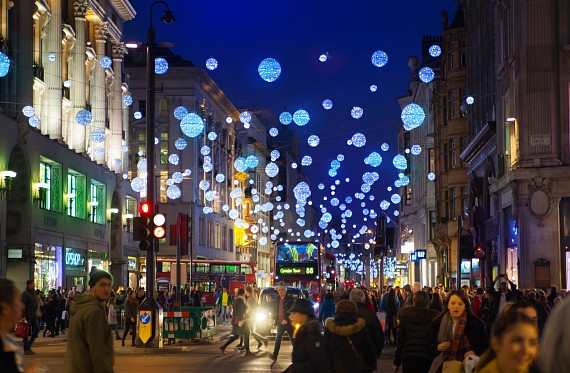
[514,345]
[11,308]
[281,318]
[456,333]
[250,317]
[327,308]
[347,341]
[391,308]
[309,353]
[373,325]
[239,325]
[31,304]
[90,341]
[197,297]
[555,340]
[112,316]
[224,301]
[412,352]
[60,313]
[131,306]
[436,302]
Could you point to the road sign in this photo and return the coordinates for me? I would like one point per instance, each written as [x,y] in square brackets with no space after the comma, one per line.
[145,325]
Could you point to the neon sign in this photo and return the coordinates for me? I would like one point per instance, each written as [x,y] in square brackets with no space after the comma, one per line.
[297,271]
[73,258]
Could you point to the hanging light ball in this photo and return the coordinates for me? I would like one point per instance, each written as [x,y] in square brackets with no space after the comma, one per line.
[67,84]
[220,178]
[173,192]
[177,177]
[173,159]
[105,62]
[426,74]
[275,155]
[211,64]
[271,169]
[323,57]
[4,65]
[180,112]
[435,50]
[34,121]
[83,117]
[413,115]
[327,104]
[400,162]
[137,115]
[28,111]
[212,136]
[358,140]
[469,100]
[313,141]
[416,149]
[141,165]
[245,117]
[374,159]
[204,185]
[273,132]
[180,144]
[125,149]
[160,66]
[192,125]
[269,70]
[205,150]
[431,176]
[301,117]
[127,100]
[335,164]
[240,164]
[385,147]
[395,198]
[306,161]
[356,112]
[251,161]
[138,184]
[97,135]
[379,58]
[285,118]
[373,88]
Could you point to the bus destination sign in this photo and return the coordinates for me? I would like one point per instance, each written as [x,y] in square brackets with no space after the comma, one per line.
[297,271]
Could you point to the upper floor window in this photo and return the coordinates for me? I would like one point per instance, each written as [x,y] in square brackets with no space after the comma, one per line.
[97,203]
[49,187]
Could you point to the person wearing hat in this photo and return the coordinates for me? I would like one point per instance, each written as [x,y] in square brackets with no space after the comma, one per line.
[90,341]
[349,345]
[308,345]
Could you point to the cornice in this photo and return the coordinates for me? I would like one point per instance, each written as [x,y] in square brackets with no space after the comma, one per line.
[478,142]
[124,8]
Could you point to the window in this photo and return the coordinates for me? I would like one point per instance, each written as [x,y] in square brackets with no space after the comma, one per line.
[49,192]
[142,107]
[217,268]
[231,240]
[431,160]
[163,107]
[432,224]
[217,236]
[409,195]
[97,203]
[452,204]
[211,234]
[450,61]
[45,191]
[202,229]
[464,195]
[451,110]
[225,238]
[201,268]
[71,194]
[445,208]
[130,211]
[445,158]
[452,154]
[164,148]
[246,269]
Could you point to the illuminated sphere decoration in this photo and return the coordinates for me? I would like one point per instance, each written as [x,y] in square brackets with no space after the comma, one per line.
[269,70]
[313,141]
[332,172]
[210,195]
[400,162]
[67,84]
[340,157]
[275,155]
[301,117]
[28,111]
[205,150]
[327,104]
[356,112]
[413,115]
[51,57]
[240,164]
[220,178]
[426,74]
[160,66]
[34,121]
[294,165]
[323,58]
[373,88]
[251,161]
[379,58]
[117,163]
[374,159]
[395,198]
[180,112]
[321,186]
[245,117]
[180,144]
[307,160]
[358,140]
[207,167]
[229,120]
[285,118]
[125,149]
[83,117]
[416,149]
[396,212]
[273,132]
[173,192]
[173,159]
[271,169]
[192,125]
[4,65]
[177,177]
[211,64]
[384,205]
[365,188]
[335,164]
[137,115]
[404,180]
[141,165]
[469,100]
[138,184]
[431,176]
[127,100]
[212,136]
[435,50]
[97,135]
[105,62]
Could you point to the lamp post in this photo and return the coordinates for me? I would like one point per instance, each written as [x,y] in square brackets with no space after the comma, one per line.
[149,304]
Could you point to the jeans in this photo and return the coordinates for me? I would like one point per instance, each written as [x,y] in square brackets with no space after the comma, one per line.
[224,310]
[116,328]
[281,329]
[130,324]
[35,331]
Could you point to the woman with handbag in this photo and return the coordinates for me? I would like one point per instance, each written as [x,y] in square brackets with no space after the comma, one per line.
[456,334]
[11,308]
[239,326]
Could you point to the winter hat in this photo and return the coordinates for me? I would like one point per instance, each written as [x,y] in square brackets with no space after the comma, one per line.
[96,275]
[303,306]
[346,307]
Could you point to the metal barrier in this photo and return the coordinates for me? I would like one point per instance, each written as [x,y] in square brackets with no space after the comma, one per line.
[189,323]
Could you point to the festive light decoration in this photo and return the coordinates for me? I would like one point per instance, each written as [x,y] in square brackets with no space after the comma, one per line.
[212,136]
[137,115]
[275,155]
[245,117]
[4,65]
[469,100]
[332,172]
[173,192]
[160,66]
[358,140]
[28,111]
[83,117]
[173,159]
[251,161]
[211,64]
[374,159]
[285,118]
[435,50]
[321,186]
[301,117]
[412,116]
[34,121]
[404,180]
[271,169]
[105,62]
[205,150]
[373,88]
[273,132]
[426,74]
[400,162]
[240,164]
[335,164]
[97,135]
[229,120]
[356,112]
[379,58]
[302,191]
[327,104]
[416,149]
[269,70]
[180,144]
[220,178]
[192,125]
[323,57]
[177,177]
[313,141]
[384,205]
[180,112]
[127,100]
[138,184]
[395,198]
[141,165]
[431,176]
[306,161]
[67,84]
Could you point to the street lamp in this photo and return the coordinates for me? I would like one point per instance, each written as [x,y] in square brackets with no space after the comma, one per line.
[149,302]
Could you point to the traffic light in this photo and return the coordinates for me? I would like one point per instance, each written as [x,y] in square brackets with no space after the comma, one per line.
[159,231]
[143,226]
[466,246]
[380,251]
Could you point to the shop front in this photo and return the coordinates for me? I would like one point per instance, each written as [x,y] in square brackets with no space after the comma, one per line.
[133,273]
[48,268]
[75,269]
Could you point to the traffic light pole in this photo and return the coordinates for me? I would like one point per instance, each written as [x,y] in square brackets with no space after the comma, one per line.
[459,233]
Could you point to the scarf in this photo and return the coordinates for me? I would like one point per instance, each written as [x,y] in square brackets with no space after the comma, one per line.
[11,345]
[459,342]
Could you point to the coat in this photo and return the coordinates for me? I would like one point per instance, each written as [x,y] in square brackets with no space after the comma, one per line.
[90,342]
[309,352]
[31,304]
[131,310]
[373,327]
[7,360]
[413,332]
[348,345]
[326,310]
[474,331]
[286,307]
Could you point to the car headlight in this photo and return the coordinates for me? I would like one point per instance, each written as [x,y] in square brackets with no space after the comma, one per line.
[260,316]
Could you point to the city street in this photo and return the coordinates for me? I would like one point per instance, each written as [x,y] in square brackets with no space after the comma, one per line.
[186,358]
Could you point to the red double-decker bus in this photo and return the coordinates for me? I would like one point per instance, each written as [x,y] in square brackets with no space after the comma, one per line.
[210,275]
[302,265]
[331,272]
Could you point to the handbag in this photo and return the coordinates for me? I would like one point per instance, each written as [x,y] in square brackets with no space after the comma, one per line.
[452,366]
[236,320]
[22,328]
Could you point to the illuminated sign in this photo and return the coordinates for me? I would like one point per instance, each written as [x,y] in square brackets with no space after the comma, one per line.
[74,259]
[401,267]
[418,255]
[297,271]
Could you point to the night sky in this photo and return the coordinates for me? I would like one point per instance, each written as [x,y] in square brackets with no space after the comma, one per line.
[240,34]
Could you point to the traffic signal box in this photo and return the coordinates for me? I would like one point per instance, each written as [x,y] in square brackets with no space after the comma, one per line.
[466,247]
[143,226]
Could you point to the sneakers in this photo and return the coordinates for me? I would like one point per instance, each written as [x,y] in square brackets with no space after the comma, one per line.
[223,349]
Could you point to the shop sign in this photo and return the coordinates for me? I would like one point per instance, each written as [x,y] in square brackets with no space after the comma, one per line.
[145,325]
[418,255]
[132,263]
[401,267]
[74,259]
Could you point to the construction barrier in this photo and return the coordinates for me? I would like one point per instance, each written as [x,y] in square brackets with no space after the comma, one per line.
[189,323]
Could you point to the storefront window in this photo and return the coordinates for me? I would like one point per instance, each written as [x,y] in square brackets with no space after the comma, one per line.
[98,260]
[75,269]
[47,270]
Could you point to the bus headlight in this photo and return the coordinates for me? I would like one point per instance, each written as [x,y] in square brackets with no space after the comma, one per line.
[260,316]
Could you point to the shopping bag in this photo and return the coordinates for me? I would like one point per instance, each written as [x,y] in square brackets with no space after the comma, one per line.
[22,328]
[452,366]
[470,362]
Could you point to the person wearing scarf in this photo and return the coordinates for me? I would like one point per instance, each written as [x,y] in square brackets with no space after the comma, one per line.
[456,333]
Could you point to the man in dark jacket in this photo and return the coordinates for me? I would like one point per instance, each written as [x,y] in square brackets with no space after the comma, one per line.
[90,344]
[413,330]
[31,304]
[373,326]
[308,344]
[281,318]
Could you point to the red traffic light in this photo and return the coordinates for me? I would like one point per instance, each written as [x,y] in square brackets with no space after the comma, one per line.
[145,208]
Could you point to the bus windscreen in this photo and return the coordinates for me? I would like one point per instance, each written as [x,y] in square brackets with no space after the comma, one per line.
[297,253]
